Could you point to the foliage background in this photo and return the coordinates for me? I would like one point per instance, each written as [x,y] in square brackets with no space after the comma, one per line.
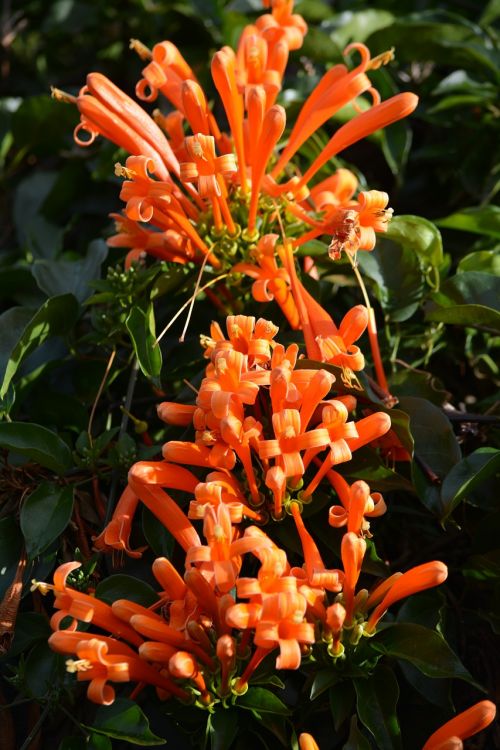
[442,165]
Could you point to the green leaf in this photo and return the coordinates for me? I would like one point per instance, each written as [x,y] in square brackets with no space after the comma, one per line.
[356,740]
[398,279]
[444,38]
[122,586]
[377,697]
[419,235]
[483,220]
[323,679]
[59,276]
[92,742]
[44,670]
[44,516]
[483,567]
[423,647]
[436,449]
[55,317]
[37,443]
[30,628]
[466,475]
[341,697]
[223,728]
[157,536]
[124,720]
[357,26]
[486,261]
[141,327]
[263,701]
[471,299]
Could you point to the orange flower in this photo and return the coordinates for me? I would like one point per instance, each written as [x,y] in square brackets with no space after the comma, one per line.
[290,440]
[317,575]
[116,535]
[357,503]
[272,282]
[353,550]
[307,742]
[83,607]
[414,580]
[464,725]
[97,665]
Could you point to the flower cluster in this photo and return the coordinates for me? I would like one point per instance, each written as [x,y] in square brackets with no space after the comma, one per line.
[267,434]
[268,430]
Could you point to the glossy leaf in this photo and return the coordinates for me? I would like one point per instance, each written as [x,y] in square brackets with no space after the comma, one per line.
[141,327]
[470,472]
[486,261]
[342,698]
[54,318]
[436,448]
[44,516]
[419,235]
[125,720]
[423,647]
[323,679]
[263,701]
[37,443]
[479,220]
[356,740]
[397,277]
[122,586]
[60,276]
[223,728]
[377,697]
[468,299]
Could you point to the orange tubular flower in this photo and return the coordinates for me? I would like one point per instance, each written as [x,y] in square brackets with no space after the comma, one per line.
[116,535]
[290,440]
[107,111]
[464,725]
[353,550]
[414,580]
[85,608]
[147,479]
[272,282]
[96,664]
[282,24]
[357,503]
[317,575]
[307,742]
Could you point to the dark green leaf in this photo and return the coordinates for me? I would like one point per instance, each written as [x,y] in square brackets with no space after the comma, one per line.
[223,728]
[263,701]
[44,516]
[356,740]
[423,647]
[121,586]
[480,220]
[43,670]
[436,448]
[399,283]
[471,299]
[124,720]
[54,318]
[466,475]
[37,443]
[323,679]
[486,261]
[60,276]
[483,567]
[377,697]
[342,697]
[30,627]
[141,326]
[157,536]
